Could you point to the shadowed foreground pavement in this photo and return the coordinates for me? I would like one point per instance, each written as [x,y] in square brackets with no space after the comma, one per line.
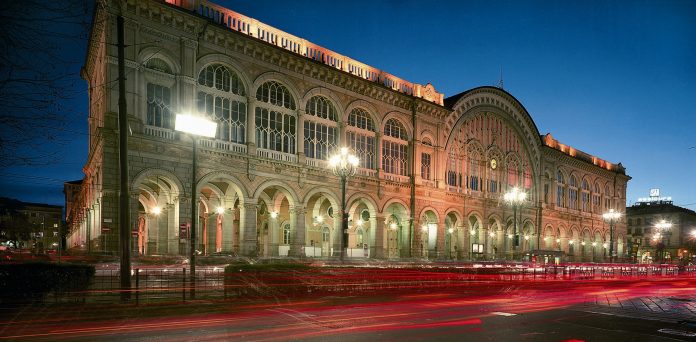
[598,310]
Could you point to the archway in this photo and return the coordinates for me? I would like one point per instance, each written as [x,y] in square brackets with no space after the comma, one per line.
[157,221]
[397,230]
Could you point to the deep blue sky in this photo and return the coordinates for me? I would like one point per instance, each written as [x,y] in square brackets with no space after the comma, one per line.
[611,78]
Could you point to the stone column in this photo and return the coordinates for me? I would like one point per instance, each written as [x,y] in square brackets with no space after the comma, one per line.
[172,228]
[247,231]
[442,252]
[381,239]
[378,154]
[228,230]
[300,137]
[251,126]
[297,231]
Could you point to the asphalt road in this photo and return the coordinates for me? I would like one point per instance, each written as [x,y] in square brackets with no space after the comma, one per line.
[626,310]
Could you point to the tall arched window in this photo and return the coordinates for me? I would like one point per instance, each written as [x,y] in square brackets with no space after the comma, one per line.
[454,175]
[320,128]
[573,193]
[607,198]
[493,176]
[513,172]
[560,189]
[474,171]
[275,118]
[596,199]
[159,100]
[221,95]
[159,103]
[286,234]
[585,195]
[394,147]
[360,135]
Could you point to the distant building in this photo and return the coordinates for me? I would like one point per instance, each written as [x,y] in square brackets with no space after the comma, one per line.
[30,225]
[659,231]
[432,173]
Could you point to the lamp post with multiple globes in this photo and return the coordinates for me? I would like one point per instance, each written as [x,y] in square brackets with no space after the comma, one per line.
[344,164]
[612,217]
[515,198]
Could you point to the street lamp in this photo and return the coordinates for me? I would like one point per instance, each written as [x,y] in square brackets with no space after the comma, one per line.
[343,165]
[515,198]
[661,227]
[611,217]
[195,126]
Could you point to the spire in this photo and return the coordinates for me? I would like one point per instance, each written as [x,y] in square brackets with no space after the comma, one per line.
[500,82]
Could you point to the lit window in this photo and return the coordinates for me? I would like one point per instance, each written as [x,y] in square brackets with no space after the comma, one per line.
[360,135]
[394,148]
[320,128]
[286,234]
[425,166]
[560,189]
[275,124]
[221,98]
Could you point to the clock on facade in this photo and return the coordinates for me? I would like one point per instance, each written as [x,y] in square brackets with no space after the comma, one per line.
[494,163]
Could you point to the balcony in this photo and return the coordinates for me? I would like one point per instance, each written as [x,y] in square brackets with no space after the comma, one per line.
[159,132]
[223,145]
[270,154]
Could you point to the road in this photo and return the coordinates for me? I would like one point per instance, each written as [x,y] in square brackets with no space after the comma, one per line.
[606,310]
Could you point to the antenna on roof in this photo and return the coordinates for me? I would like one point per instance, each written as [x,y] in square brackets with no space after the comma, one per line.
[500,82]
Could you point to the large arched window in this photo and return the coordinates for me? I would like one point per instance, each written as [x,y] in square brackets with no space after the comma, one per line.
[513,172]
[159,112]
[573,193]
[394,147]
[585,195]
[320,128]
[596,199]
[474,174]
[360,135]
[275,118]
[607,198]
[159,101]
[221,96]
[560,189]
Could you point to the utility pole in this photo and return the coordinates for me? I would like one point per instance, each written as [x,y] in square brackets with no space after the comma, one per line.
[124,209]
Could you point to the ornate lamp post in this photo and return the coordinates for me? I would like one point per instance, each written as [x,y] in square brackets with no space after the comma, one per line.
[343,165]
[515,198]
[612,217]
[662,228]
[195,126]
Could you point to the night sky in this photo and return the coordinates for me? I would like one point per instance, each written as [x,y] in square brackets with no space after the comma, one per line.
[612,78]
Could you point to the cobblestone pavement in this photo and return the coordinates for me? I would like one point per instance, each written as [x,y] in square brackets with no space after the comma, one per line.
[674,308]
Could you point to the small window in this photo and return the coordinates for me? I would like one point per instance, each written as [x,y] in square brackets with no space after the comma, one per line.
[286,234]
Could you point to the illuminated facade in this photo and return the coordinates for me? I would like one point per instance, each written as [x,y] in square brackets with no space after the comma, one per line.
[432,172]
[659,231]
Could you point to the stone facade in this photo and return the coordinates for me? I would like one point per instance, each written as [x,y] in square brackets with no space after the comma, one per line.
[432,175]
[649,242]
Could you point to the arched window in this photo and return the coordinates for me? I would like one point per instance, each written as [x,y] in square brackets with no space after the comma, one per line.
[513,173]
[275,118]
[560,189]
[474,172]
[596,199]
[286,234]
[325,234]
[573,193]
[159,112]
[454,175]
[394,147]
[360,135]
[158,65]
[585,195]
[493,176]
[221,97]
[607,198]
[320,128]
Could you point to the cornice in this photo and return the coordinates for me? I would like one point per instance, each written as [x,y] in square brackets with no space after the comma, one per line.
[553,154]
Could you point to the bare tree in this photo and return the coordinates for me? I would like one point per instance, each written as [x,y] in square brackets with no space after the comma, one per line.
[39,69]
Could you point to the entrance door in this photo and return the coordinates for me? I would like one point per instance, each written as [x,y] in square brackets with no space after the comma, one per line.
[393,240]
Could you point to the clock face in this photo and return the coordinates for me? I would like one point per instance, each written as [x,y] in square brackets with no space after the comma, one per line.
[494,164]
